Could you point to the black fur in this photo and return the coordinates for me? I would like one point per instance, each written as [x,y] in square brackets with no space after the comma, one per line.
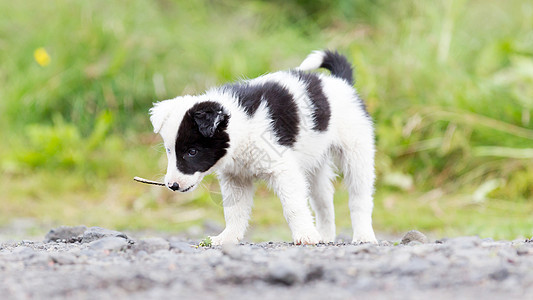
[338,65]
[208,120]
[321,109]
[203,128]
[281,106]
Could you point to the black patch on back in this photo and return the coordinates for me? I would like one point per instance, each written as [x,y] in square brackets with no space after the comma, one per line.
[209,149]
[249,96]
[281,107]
[321,109]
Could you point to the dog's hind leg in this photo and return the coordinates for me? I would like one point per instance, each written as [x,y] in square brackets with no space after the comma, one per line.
[291,187]
[357,160]
[322,190]
[237,195]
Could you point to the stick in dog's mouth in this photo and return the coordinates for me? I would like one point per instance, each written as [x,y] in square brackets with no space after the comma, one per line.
[139,179]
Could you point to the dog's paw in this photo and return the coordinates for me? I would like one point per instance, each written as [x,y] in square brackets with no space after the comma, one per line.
[327,235]
[364,238]
[223,239]
[327,238]
[311,237]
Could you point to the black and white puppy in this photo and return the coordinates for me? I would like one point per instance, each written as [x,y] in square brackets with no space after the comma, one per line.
[285,128]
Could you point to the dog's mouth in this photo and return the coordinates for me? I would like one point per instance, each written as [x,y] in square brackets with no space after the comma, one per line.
[188,189]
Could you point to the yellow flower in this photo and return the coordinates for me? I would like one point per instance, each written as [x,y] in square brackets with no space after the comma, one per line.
[41,57]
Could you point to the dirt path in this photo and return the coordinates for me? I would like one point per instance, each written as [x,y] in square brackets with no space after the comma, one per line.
[95,263]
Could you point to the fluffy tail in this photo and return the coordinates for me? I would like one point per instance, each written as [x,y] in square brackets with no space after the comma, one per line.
[335,62]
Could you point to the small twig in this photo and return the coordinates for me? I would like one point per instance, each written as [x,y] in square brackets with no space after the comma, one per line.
[139,179]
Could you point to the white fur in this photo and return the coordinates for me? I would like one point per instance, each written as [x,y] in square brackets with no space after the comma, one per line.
[312,61]
[299,175]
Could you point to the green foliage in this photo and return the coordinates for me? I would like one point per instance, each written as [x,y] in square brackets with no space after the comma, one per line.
[448,89]
[206,242]
[448,82]
[62,146]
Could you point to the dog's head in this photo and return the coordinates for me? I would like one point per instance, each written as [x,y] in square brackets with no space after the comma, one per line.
[195,138]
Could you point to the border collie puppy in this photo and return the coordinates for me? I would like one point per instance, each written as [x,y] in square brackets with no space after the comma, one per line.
[285,128]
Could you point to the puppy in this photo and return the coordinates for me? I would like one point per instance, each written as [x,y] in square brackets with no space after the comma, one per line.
[285,128]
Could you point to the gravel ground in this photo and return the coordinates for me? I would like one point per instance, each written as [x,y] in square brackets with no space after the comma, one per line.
[96,263]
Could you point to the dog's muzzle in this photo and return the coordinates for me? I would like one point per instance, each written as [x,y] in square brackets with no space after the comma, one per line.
[174,186]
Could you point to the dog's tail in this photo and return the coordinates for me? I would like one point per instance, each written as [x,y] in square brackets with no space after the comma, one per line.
[335,62]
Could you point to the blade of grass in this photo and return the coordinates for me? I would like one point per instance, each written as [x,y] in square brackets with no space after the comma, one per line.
[520,153]
[477,119]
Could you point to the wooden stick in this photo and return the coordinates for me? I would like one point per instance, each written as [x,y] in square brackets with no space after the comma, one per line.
[139,179]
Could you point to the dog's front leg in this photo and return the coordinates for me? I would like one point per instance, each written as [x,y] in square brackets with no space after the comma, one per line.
[237,195]
[292,189]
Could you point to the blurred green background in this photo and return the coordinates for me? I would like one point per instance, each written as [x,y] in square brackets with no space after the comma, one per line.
[449,83]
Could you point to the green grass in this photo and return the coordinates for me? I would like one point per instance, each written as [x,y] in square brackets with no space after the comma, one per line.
[449,84]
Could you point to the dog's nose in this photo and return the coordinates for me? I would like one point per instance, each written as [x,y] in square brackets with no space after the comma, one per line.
[175,186]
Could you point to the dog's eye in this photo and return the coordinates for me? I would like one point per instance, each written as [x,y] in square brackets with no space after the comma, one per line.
[192,152]
[168,150]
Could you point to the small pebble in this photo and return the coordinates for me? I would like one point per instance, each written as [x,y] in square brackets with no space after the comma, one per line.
[65,234]
[414,236]
[111,243]
[96,233]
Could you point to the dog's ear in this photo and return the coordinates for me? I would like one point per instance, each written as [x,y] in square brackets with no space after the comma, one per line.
[210,118]
[159,113]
